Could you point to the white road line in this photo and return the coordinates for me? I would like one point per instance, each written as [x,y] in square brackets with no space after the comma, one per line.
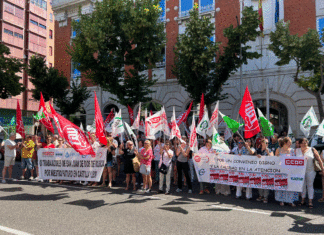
[238,209]
[13,231]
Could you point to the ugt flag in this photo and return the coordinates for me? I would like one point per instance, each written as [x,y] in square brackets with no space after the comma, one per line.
[20,124]
[44,115]
[175,131]
[99,122]
[193,143]
[248,114]
[266,125]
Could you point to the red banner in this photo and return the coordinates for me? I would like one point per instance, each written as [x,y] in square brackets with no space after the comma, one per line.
[248,114]
[110,117]
[19,122]
[131,114]
[202,106]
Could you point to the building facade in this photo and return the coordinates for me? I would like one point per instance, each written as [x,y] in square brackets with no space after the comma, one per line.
[288,102]
[27,28]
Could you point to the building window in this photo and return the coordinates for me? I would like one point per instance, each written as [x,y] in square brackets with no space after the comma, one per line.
[34,22]
[42,26]
[162,62]
[51,34]
[50,50]
[8,8]
[44,5]
[108,109]
[18,35]
[74,33]
[51,17]
[185,7]
[162,16]
[8,32]
[320,26]
[206,6]
[74,72]
[19,13]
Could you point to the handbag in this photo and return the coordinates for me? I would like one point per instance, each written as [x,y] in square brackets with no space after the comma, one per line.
[163,168]
[136,164]
[143,170]
[317,165]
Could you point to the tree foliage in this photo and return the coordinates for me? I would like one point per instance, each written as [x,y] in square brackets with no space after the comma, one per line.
[118,34]
[54,85]
[9,80]
[199,65]
[304,50]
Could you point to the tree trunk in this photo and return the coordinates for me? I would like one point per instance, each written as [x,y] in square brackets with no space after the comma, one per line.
[319,105]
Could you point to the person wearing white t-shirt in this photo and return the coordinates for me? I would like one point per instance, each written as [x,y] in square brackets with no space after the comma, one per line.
[157,155]
[9,156]
[166,159]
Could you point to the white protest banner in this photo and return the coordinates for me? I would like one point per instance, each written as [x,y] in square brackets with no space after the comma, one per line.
[275,173]
[67,164]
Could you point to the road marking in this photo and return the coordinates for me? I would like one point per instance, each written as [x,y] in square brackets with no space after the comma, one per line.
[13,231]
[238,209]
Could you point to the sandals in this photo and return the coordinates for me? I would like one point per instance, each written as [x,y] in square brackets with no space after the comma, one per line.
[310,205]
[302,203]
[259,199]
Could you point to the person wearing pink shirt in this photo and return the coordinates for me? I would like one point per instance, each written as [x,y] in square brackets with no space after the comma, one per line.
[146,156]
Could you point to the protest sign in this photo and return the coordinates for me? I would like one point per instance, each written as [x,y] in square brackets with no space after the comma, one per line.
[275,173]
[67,164]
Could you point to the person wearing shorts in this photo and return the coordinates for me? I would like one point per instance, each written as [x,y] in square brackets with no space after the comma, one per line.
[26,157]
[9,156]
[146,156]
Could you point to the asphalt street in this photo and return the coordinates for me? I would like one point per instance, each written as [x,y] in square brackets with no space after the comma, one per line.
[29,207]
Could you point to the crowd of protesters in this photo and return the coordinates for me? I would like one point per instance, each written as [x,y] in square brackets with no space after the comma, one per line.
[170,163]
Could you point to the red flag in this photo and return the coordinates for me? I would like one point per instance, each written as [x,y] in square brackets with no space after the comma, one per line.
[45,121]
[99,123]
[131,114]
[248,114]
[151,113]
[72,134]
[260,16]
[19,122]
[183,117]
[202,106]
[110,117]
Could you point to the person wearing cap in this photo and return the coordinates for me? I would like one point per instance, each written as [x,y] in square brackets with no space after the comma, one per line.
[9,156]
[28,148]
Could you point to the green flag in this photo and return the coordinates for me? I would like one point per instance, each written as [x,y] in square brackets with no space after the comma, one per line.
[39,115]
[232,124]
[266,126]
[13,121]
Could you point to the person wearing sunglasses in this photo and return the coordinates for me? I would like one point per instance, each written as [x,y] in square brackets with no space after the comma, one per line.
[263,150]
[240,149]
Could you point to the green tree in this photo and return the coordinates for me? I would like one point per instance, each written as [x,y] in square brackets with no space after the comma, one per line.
[305,51]
[200,67]
[49,81]
[54,85]
[74,97]
[118,34]
[9,80]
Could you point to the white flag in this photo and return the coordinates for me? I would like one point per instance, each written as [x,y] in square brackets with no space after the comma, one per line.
[136,124]
[320,129]
[227,134]
[164,120]
[291,135]
[193,143]
[175,131]
[117,125]
[308,121]
[203,126]
[214,118]
[218,144]
[131,134]
[153,124]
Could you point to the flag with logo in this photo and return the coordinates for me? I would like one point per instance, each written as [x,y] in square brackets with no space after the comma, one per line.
[218,144]
[43,115]
[203,126]
[193,143]
[131,114]
[320,129]
[308,121]
[72,134]
[99,122]
[136,123]
[214,118]
[231,124]
[202,106]
[291,135]
[266,126]
[248,114]
[153,124]
[19,124]
[117,125]
[175,131]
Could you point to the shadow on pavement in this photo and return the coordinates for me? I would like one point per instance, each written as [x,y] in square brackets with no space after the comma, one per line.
[14,189]
[90,204]
[32,197]
[307,228]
